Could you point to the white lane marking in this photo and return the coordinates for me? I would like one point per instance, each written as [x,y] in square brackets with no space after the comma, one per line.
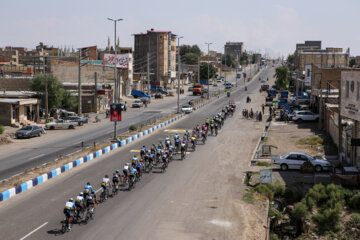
[37,156]
[33,231]
[98,190]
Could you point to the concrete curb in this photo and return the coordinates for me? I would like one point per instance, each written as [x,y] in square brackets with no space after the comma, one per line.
[25,186]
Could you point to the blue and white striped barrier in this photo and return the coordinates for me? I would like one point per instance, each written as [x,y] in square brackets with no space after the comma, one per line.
[5,195]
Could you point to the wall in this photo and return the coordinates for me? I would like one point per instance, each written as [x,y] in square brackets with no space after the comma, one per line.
[15,84]
[5,114]
[350,94]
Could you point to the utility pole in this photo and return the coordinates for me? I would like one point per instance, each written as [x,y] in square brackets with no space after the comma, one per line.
[340,127]
[178,90]
[79,85]
[225,62]
[115,71]
[148,66]
[321,105]
[46,93]
[95,94]
[208,81]
[198,76]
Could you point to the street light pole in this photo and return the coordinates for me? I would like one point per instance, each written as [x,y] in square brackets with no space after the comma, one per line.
[178,91]
[115,72]
[208,81]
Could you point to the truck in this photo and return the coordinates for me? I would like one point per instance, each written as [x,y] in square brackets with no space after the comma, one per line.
[198,88]
[60,124]
[139,94]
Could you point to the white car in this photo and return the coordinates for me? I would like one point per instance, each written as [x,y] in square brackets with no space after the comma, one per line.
[304,115]
[187,109]
[295,160]
[137,103]
[61,124]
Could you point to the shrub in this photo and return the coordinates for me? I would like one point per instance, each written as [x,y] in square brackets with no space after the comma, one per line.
[275,213]
[328,219]
[355,201]
[1,129]
[278,188]
[355,220]
[293,194]
[132,128]
[273,236]
[300,211]
[264,190]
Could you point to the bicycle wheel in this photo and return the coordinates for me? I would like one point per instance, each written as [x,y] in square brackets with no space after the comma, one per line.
[64,226]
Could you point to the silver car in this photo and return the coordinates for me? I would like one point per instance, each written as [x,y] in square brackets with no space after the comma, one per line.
[295,160]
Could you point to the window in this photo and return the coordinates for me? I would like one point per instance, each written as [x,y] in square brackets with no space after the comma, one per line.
[347,88]
[308,72]
[292,157]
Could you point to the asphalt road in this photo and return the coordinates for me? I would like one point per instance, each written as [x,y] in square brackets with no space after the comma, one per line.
[31,153]
[129,215]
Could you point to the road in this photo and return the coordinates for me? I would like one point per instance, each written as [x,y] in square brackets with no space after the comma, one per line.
[130,215]
[30,153]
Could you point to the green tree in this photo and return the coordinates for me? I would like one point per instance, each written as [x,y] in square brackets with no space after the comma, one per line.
[244,58]
[204,71]
[189,54]
[352,62]
[230,61]
[57,95]
[291,59]
[281,74]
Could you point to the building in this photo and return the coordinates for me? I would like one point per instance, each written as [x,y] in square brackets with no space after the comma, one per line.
[234,49]
[18,108]
[322,58]
[350,114]
[308,45]
[161,47]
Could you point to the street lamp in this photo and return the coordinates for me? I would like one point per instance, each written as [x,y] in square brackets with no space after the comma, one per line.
[178,91]
[115,73]
[208,70]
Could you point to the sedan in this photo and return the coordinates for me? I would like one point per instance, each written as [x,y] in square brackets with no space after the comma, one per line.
[295,160]
[304,115]
[190,89]
[137,104]
[77,119]
[158,96]
[29,131]
[187,109]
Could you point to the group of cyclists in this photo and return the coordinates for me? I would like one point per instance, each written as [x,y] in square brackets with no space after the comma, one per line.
[157,156]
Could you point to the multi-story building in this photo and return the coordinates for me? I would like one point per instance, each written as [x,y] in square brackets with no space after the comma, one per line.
[161,47]
[234,49]
[308,45]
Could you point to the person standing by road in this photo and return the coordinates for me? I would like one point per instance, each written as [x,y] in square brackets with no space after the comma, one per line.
[263,108]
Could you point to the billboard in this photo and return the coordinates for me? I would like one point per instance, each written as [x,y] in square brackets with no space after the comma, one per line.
[122,60]
[308,71]
[350,94]
[115,112]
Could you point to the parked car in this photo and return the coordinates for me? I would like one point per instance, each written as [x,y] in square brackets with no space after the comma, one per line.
[301,100]
[158,96]
[187,109]
[137,103]
[215,84]
[304,115]
[60,124]
[205,90]
[295,160]
[190,89]
[29,131]
[79,120]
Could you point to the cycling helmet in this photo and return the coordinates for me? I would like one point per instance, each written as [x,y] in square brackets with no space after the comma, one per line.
[81,194]
[88,183]
[141,160]
[90,197]
[71,199]
[117,171]
[107,176]
[143,146]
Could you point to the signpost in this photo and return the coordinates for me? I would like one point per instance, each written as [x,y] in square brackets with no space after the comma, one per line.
[115,112]
[265,176]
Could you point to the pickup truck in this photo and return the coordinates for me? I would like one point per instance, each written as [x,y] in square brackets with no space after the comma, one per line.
[139,94]
[60,124]
[198,89]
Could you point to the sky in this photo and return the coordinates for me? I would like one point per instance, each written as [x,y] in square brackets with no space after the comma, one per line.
[265,26]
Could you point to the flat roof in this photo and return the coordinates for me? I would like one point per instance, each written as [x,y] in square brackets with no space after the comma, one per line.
[17,100]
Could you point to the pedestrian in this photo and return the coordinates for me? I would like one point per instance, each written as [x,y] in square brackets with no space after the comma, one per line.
[260,117]
[256,115]
[286,117]
[145,104]
[251,114]
[243,112]
[270,111]
[125,106]
[107,113]
[263,108]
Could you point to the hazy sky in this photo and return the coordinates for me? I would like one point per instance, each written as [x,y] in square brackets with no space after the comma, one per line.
[263,25]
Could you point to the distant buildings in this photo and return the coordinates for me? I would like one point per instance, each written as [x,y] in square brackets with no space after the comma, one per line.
[234,49]
[161,47]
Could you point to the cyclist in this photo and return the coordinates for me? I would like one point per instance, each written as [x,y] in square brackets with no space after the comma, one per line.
[142,151]
[134,161]
[197,129]
[87,189]
[93,195]
[212,126]
[105,184]
[153,149]
[151,158]
[176,136]
[160,145]
[90,204]
[133,174]
[167,141]
[116,179]
[69,211]
[126,170]
[80,204]
[187,134]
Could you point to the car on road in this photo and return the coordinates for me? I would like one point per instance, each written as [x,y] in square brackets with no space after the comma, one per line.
[302,100]
[137,103]
[187,109]
[304,115]
[228,85]
[215,84]
[295,160]
[60,124]
[262,80]
[205,90]
[79,120]
[29,131]
[158,96]
[190,89]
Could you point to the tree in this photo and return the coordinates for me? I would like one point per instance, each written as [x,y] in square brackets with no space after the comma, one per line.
[352,62]
[190,54]
[291,59]
[244,58]
[204,71]
[230,61]
[281,74]
[57,95]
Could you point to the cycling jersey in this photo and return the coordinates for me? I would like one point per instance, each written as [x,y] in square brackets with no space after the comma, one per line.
[88,188]
[70,205]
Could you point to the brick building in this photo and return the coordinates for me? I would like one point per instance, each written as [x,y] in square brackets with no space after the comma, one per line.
[234,49]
